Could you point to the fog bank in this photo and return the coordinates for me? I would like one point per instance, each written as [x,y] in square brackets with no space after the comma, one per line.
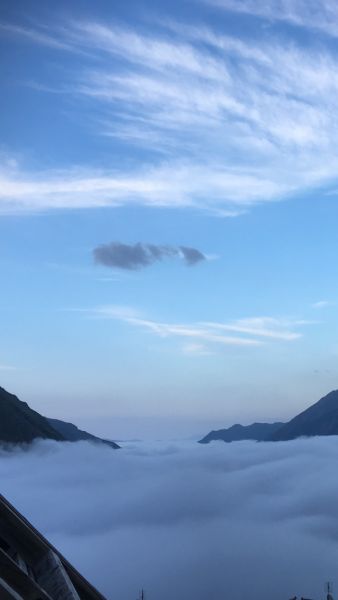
[186,521]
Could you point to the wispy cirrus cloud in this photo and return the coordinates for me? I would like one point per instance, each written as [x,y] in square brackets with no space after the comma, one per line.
[201,337]
[195,331]
[196,350]
[239,121]
[228,192]
[263,103]
[263,327]
[322,304]
[320,15]
[39,35]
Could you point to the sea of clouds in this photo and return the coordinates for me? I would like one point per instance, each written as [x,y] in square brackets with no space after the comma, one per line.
[186,521]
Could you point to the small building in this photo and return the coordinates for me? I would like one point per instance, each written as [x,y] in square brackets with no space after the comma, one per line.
[31,568]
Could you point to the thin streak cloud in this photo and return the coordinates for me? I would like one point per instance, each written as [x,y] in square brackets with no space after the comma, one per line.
[318,15]
[265,327]
[209,334]
[322,304]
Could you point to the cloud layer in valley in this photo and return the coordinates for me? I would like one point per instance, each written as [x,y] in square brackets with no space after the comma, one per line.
[137,256]
[186,521]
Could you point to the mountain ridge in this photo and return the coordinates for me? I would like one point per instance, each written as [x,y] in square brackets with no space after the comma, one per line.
[73,434]
[20,424]
[319,419]
[237,432]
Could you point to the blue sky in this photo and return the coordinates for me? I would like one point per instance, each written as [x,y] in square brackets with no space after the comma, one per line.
[204,125]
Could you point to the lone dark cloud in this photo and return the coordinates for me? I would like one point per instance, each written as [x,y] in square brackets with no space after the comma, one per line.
[191,255]
[137,256]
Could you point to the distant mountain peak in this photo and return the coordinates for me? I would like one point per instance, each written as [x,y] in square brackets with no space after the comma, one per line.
[319,419]
[73,434]
[237,432]
[19,424]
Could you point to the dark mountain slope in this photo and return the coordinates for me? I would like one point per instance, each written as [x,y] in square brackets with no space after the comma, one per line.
[319,419]
[19,423]
[71,433]
[256,431]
